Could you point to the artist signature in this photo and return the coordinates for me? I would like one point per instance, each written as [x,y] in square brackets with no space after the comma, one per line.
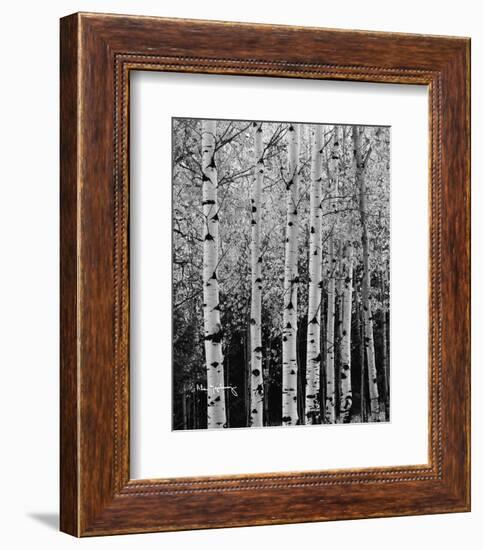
[217,389]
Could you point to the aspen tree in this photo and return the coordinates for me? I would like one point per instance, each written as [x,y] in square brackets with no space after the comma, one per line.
[312,398]
[331,272]
[345,353]
[289,334]
[216,415]
[256,371]
[385,357]
[360,334]
[339,309]
[366,302]
[330,345]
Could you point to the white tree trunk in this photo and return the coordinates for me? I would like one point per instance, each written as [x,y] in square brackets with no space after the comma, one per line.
[371,359]
[312,392]
[362,355]
[339,309]
[289,339]
[211,306]
[331,287]
[366,303]
[330,367]
[384,338]
[256,383]
[345,353]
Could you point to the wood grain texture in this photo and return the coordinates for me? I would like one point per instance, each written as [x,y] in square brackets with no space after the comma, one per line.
[69,433]
[97,54]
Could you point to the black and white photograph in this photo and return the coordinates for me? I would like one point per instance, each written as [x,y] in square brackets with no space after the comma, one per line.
[281,273]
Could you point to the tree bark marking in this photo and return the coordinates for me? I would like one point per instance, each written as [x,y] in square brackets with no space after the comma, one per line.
[312,393]
[256,360]
[216,414]
[366,304]
[345,355]
[289,329]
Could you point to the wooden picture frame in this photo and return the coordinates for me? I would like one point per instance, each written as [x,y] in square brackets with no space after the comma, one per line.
[97,54]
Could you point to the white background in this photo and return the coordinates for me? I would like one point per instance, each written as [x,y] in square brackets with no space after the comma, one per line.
[29,274]
[158,451]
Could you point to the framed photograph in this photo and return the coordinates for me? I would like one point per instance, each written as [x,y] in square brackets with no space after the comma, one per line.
[265,279]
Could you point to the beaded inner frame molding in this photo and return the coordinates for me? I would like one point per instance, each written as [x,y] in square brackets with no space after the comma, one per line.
[97,54]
